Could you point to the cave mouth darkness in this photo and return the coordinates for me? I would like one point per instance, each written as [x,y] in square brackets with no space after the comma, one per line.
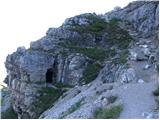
[49,75]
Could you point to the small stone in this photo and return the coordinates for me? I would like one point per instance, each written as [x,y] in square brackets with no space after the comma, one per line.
[133,56]
[104,101]
[150,115]
[140,81]
[143,46]
[83,83]
[100,98]
[137,43]
[76,86]
[144,114]
[125,87]
[148,42]
[146,52]
[95,102]
[146,67]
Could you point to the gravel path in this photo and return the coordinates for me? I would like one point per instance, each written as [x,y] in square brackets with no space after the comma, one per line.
[137,98]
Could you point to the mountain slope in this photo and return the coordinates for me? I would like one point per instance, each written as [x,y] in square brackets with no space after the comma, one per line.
[90,65]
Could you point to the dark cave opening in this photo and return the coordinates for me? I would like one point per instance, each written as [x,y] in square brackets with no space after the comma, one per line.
[49,75]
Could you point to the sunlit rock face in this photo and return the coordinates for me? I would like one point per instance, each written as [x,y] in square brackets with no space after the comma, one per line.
[142,15]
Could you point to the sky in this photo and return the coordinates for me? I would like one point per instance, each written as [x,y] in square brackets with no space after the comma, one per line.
[23,21]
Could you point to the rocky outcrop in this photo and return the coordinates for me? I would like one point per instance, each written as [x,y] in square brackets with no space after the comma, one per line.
[143,15]
[86,47]
[27,74]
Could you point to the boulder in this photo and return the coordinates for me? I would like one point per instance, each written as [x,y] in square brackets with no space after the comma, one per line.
[137,56]
[127,75]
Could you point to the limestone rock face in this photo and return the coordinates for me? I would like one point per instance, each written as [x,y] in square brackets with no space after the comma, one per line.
[27,73]
[76,68]
[143,15]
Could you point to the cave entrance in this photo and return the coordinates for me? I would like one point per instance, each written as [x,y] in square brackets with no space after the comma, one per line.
[49,75]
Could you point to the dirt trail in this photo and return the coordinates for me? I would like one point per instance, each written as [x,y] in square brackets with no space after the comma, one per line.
[138,97]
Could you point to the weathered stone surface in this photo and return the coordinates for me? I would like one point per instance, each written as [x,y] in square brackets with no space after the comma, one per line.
[141,14]
[76,68]
[5,99]
[127,76]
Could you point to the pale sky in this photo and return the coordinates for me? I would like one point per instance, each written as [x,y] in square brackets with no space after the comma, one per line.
[23,21]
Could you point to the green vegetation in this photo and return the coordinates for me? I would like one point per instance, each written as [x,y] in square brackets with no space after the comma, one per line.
[4,93]
[64,53]
[111,113]
[73,108]
[93,53]
[112,99]
[156,92]
[122,59]
[119,37]
[96,26]
[46,99]
[116,37]
[9,114]
[63,85]
[90,73]
[114,22]
[99,26]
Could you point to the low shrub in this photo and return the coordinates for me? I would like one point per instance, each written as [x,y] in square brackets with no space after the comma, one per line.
[95,53]
[90,73]
[122,59]
[63,85]
[9,114]
[73,108]
[46,99]
[111,113]
[96,25]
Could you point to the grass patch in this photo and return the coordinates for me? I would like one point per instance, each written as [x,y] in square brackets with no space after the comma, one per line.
[106,113]
[90,73]
[112,99]
[46,99]
[9,114]
[156,92]
[73,108]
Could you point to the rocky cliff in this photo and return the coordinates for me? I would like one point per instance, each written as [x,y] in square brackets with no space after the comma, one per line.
[90,64]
